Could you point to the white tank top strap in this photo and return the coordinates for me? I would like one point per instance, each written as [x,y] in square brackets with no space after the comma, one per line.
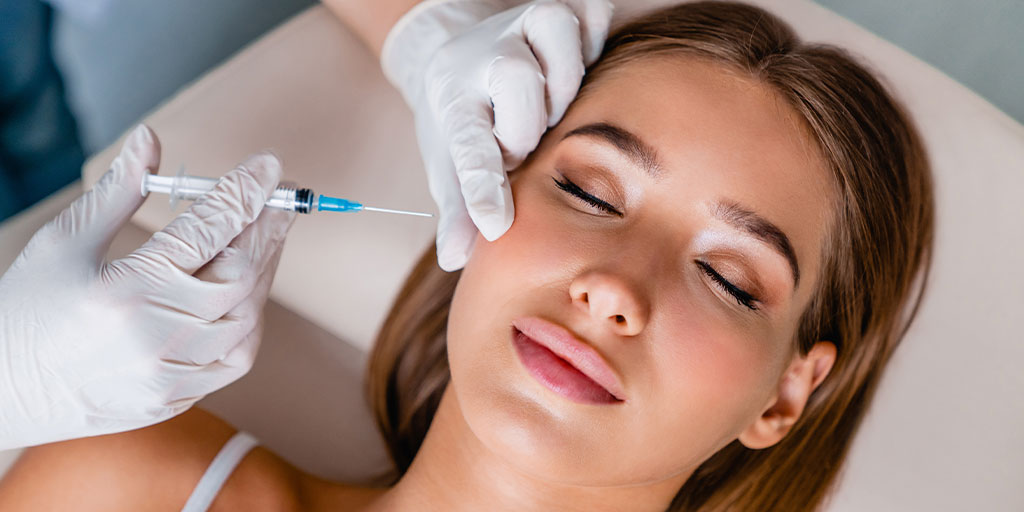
[220,469]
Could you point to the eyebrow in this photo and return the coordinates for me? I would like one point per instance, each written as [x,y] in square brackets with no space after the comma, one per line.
[635,149]
[743,219]
[752,223]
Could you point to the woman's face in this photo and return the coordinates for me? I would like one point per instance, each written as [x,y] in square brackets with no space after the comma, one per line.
[688,289]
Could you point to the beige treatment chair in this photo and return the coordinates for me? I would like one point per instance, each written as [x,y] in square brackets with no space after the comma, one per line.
[946,432]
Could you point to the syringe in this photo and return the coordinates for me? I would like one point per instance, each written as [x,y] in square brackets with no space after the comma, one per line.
[285,197]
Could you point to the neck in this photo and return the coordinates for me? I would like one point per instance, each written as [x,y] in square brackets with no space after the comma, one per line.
[453,471]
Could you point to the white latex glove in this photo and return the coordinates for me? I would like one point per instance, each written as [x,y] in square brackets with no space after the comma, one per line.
[89,348]
[484,84]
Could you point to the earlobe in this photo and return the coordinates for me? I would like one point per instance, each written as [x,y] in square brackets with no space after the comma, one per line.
[802,377]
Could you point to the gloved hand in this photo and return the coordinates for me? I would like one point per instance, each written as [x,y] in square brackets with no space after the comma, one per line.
[89,348]
[461,63]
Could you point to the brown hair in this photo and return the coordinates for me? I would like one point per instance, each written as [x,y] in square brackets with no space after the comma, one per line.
[877,256]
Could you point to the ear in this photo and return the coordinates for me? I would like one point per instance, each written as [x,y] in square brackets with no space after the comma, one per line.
[801,378]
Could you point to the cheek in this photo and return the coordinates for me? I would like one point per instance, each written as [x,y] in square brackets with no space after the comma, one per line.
[518,273]
[541,247]
[495,270]
[708,381]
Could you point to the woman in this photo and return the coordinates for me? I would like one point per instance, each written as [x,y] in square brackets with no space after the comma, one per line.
[724,240]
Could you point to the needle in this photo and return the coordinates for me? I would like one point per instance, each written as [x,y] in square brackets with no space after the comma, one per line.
[403,212]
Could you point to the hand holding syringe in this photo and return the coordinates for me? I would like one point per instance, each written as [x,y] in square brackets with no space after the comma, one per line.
[299,200]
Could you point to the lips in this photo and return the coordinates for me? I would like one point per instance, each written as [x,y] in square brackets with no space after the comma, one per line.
[564,363]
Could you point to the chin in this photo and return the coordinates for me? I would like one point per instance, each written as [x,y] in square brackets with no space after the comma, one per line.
[533,430]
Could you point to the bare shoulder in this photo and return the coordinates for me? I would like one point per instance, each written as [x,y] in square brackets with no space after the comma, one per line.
[153,468]
[158,467]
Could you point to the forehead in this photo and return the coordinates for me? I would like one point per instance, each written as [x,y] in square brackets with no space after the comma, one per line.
[720,135]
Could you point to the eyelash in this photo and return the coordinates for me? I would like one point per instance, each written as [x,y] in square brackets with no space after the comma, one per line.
[742,297]
[573,189]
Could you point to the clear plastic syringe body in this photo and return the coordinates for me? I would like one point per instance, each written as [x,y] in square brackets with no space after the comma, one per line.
[189,188]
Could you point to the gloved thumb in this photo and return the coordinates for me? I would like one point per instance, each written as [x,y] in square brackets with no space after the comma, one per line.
[478,164]
[456,235]
[456,231]
[93,219]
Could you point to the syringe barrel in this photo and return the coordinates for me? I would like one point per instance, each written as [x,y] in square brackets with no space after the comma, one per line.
[292,199]
[190,188]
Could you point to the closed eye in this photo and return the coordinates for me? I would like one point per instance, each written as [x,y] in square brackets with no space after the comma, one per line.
[741,296]
[584,196]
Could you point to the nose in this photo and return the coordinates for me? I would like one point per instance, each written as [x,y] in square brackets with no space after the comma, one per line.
[612,300]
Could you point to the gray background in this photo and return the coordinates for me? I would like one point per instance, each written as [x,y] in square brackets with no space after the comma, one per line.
[979,43]
[125,63]
[122,64]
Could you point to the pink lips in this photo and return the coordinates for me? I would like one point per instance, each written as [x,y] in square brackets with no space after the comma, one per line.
[564,363]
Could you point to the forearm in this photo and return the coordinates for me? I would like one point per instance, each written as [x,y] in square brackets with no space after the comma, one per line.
[371,20]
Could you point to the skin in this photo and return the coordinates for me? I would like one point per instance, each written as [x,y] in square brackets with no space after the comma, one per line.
[699,370]
[370,21]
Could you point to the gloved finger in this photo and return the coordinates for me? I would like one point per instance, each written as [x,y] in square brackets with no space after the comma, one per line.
[242,354]
[95,217]
[218,374]
[244,260]
[553,33]
[183,296]
[594,16]
[229,279]
[447,193]
[456,235]
[218,286]
[238,361]
[217,217]
[515,84]
[221,336]
[478,165]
